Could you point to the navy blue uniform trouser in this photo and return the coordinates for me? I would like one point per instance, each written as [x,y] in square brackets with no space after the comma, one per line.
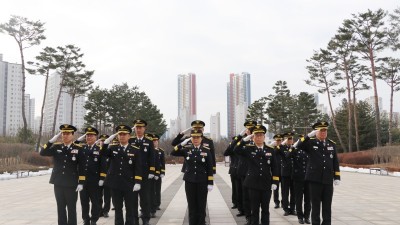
[66,198]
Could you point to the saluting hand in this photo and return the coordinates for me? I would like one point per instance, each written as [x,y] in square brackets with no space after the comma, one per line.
[186,130]
[185,142]
[108,140]
[312,133]
[54,139]
[81,138]
[243,132]
[248,137]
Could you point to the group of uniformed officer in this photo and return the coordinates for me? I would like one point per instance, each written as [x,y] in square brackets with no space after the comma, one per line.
[119,165]
[306,171]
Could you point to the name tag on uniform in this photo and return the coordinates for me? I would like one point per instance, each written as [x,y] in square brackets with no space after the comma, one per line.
[95,152]
[74,151]
[206,144]
[253,153]
[146,144]
[59,150]
[330,148]
[268,154]
[315,147]
[203,154]
[115,152]
[130,154]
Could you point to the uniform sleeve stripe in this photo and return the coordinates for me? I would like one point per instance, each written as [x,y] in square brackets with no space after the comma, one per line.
[275,178]
[337,173]
[162,170]
[152,168]
[176,148]
[157,172]
[138,178]
[103,174]
[210,178]
[82,178]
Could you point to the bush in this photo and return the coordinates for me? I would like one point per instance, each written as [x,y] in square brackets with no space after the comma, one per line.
[33,158]
[13,150]
[357,158]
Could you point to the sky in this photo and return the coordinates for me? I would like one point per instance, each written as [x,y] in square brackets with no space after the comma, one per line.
[148,43]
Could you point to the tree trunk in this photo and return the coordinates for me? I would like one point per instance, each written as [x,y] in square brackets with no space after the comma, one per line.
[72,108]
[349,103]
[356,119]
[377,111]
[25,128]
[42,111]
[391,114]
[56,108]
[334,119]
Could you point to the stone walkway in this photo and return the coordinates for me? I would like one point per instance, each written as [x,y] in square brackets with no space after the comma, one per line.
[361,199]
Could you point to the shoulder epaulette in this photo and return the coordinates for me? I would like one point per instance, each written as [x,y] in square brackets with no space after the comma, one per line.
[312,138]
[113,144]
[77,144]
[207,138]
[270,146]
[206,147]
[332,141]
[249,145]
[57,143]
[161,149]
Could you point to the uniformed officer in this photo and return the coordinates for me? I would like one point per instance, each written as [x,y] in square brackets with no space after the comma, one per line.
[322,171]
[262,175]
[148,167]
[68,174]
[238,169]
[277,142]
[198,175]
[288,204]
[301,187]
[95,174]
[105,193]
[208,142]
[152,182]
[124,175]
[160,171]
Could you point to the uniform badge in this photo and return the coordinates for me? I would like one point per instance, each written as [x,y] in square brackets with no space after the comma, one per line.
[73,158]
[145,150]
[203,159]
[75,151]
[130,161]
[187,158]
[115,152]
[269,161]
[331,156]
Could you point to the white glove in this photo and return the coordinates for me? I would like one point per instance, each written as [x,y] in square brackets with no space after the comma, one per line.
[284,142]
[101,183]
[186,130]
[336,182]
[248,137]
[274,187]
[162,176]
[312,133]
[243,132]
[109,139]
[296,143]
[185,141]
[81,138]
[210,187]
[79,188]
[136,187]
[274,143]
[151,176]
[156,177]
[54,139]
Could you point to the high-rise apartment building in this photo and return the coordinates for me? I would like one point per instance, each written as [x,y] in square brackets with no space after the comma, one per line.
[215,127]
[11,99]
[186,100]
[238,98]
[64,106]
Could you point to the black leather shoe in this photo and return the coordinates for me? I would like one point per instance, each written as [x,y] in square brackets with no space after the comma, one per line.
[153,215]
[105,214]
[93,223]
[240,214]
[146,222]
[286,213]
[234,207]
[307,221]
[158,208]
[276,206]
[86,222]
[301,221]
[293,213]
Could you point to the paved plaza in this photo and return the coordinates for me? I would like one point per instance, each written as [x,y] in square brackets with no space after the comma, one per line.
[361,199]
